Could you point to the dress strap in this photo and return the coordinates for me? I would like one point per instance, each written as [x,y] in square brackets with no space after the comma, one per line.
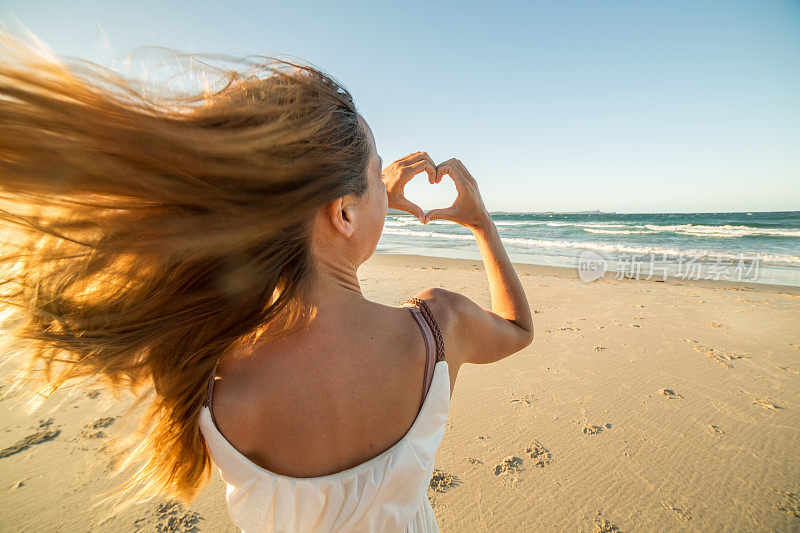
[431,321]
[210,395]
[430,354]
[434,344]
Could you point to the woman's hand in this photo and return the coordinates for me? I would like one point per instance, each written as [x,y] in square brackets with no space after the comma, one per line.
[468,209]
[396,175]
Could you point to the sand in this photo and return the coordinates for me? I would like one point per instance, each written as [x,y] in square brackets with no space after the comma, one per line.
[640,405]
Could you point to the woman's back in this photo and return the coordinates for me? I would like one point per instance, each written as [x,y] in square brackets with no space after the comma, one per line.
[382,489]
[328,397]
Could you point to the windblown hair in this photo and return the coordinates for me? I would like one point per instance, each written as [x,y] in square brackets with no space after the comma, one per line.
[146,236]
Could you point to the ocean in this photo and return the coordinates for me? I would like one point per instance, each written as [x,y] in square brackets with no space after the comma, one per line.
[746,247]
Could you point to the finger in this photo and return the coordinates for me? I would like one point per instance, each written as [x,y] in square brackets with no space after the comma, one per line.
[410,207]
[438,214]
[447,163]
[455,173]
[407,157]
[423,156]
[459,167]
[467,176]
[419,166]
[446,167]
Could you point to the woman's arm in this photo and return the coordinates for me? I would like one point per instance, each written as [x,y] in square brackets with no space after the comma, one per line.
[475,335]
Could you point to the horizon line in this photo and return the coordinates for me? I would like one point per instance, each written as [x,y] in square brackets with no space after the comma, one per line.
[599,212]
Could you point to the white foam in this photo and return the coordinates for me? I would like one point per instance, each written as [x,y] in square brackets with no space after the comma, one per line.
[415,222]
[723,230]
[615,232]
[430,234]
[608,247]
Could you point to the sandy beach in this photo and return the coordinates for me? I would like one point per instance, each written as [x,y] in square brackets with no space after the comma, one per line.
[639,406]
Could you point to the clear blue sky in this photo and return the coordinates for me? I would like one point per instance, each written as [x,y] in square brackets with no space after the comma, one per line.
[554,106]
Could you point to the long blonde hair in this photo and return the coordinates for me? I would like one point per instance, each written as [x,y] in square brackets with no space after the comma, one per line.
[148,235]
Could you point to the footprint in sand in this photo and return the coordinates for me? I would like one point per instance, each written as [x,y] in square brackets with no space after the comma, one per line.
[715,324]
[591,430]
[474,461]
[679,513]
[169,516]
[601,525]
[442,481]
[537,452]
[669,393]
[509,465]
[94,430]
[526,399]
[43,435]
[723,358]
[790,504]
[764,403]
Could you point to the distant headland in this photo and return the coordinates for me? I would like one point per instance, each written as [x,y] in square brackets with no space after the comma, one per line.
[399,212]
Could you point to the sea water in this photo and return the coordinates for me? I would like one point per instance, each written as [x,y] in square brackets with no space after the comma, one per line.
[747,247]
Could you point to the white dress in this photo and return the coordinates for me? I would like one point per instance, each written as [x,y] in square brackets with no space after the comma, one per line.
[384,494]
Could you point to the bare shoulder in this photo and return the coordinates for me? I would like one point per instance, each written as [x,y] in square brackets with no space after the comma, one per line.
[447,307]
[444,304]
[471,333]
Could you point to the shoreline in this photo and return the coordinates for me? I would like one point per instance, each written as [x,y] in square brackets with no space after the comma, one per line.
[529,269]
[748,247]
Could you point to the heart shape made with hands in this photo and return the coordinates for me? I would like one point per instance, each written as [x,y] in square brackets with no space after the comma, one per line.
[419,191]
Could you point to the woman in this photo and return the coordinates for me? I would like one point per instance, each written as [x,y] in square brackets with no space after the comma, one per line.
[205,248]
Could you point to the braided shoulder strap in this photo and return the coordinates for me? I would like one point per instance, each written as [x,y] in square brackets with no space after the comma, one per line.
[428,316]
